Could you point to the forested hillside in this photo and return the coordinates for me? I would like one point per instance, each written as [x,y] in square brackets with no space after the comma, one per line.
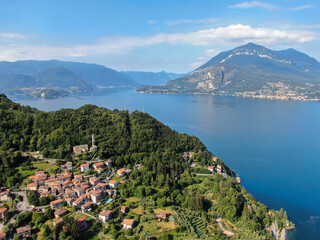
[167,180]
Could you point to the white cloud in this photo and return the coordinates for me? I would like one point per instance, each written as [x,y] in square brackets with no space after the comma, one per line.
[181,21]
[314,26]
[151,22]
[208,54]
[214,37]
[211,52]
[13,36]
[301,7]
[253,4]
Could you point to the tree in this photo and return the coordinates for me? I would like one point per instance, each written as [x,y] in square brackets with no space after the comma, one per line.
[33,197]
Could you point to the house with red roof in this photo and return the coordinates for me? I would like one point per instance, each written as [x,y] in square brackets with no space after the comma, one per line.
[86,207]
[162,215]
[105,215]
[123,209]
[84,167]
[128,223]
[32,186]
[113,183]
[98,165]
[3,213]
[121,172]
[56,203]
[82,223]
[3,236]
[211,168]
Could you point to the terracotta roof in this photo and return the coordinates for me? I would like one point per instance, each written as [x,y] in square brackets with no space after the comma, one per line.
[122,170]
[105,213]
[82,219]
[3,235]
[2,210]
[113,181]
[23,229]
[123,208]
[79,176]
[128,222]
[98,164]
[83,165]
[86,205]
[7,192]
[60,211]
[57,221]
[84,195]
[162,215]
[78,201]
[56,201]
[101,184]
[55,184]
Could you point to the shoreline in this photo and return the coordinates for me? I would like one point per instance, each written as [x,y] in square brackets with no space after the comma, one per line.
[270,97]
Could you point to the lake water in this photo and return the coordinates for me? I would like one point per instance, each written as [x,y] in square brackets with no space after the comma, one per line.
[273,145]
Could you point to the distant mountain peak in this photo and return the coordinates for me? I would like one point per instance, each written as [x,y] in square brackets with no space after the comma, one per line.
[252,70]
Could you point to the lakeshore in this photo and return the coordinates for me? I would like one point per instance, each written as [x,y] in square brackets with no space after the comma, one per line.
[248,133]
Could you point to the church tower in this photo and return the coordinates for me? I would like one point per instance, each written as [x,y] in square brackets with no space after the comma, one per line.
[93,147]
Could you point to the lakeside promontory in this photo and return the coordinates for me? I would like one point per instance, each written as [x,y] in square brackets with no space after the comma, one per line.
[116,174]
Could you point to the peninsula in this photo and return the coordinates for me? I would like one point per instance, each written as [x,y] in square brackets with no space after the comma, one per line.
[94,173]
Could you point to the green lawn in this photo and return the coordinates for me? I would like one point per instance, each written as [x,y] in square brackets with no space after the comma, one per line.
[133,199]
[44,166]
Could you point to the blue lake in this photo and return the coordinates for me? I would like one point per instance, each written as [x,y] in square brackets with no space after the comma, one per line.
[273,145]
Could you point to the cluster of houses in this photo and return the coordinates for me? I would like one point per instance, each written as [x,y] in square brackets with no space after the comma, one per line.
[218,169]
[76,190]
[106,215]
[98,167]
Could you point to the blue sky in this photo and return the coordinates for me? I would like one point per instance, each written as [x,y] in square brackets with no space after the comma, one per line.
[151,35]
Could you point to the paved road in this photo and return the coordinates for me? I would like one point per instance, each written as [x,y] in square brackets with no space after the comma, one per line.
[23,206]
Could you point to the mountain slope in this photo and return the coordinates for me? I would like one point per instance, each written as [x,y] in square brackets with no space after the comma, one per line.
[152,78]
[91,74]
[251,70]
[60,77]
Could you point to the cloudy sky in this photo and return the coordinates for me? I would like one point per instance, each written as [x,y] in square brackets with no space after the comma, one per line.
[153,35]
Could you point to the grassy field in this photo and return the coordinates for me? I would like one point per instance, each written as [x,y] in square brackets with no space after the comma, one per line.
[167,225]
[167,210]
[138,210]
[44,166]
[78,215]
[133,199]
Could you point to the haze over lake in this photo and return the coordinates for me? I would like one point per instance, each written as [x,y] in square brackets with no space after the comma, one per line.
[273,145]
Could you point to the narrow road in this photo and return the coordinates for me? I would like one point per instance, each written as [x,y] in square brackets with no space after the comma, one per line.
[223,230]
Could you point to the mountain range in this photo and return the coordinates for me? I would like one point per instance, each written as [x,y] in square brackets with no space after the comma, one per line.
[34,77]
[56,78]
[252,71]
[152,78]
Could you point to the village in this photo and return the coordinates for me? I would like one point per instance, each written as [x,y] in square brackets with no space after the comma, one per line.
[76,191]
